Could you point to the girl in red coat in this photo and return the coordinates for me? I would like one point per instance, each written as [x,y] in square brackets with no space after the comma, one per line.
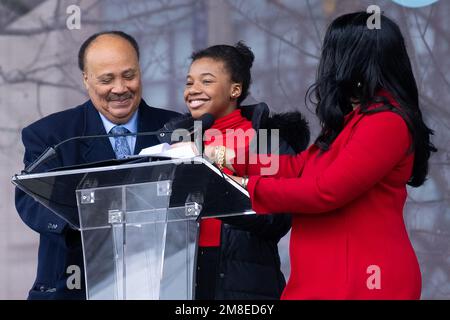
[237,256]
[347,191]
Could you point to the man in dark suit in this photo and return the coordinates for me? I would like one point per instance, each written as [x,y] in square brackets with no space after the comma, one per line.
[109,62]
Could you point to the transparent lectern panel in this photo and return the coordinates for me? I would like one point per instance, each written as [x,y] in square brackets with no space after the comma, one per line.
[56,190]
[134,246]
[179,259]
[138,220]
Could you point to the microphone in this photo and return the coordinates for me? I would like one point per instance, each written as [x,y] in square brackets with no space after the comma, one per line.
[205,122]
[51,152]
[187,123]
[186,127]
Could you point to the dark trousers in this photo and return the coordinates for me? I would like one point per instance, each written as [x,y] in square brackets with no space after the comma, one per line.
[206,273]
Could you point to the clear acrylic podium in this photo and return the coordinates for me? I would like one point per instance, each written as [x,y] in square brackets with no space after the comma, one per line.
[138,221]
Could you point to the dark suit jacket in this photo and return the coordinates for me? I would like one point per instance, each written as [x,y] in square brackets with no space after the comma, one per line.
[60,245]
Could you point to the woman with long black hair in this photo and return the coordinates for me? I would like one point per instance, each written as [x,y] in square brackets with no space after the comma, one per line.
[347,191]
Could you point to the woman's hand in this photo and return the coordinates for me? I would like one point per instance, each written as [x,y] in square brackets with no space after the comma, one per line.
[242,181]
[237,179]
[221,156]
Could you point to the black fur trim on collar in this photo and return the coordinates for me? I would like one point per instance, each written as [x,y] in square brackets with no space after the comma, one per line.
[294,129]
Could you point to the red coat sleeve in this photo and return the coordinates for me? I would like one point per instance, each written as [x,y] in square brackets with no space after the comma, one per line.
[272,165]
[378,143]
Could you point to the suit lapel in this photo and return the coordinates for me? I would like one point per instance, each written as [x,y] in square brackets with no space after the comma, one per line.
[95,149]
[98,149]
[146,123]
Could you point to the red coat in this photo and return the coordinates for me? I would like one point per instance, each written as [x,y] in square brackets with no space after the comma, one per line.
[348,238]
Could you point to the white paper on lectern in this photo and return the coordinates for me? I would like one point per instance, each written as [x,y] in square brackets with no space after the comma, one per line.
[155,149]
[181,151]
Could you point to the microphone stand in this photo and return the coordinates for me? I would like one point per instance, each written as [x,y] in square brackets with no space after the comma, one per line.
[203,123]
[51,152]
